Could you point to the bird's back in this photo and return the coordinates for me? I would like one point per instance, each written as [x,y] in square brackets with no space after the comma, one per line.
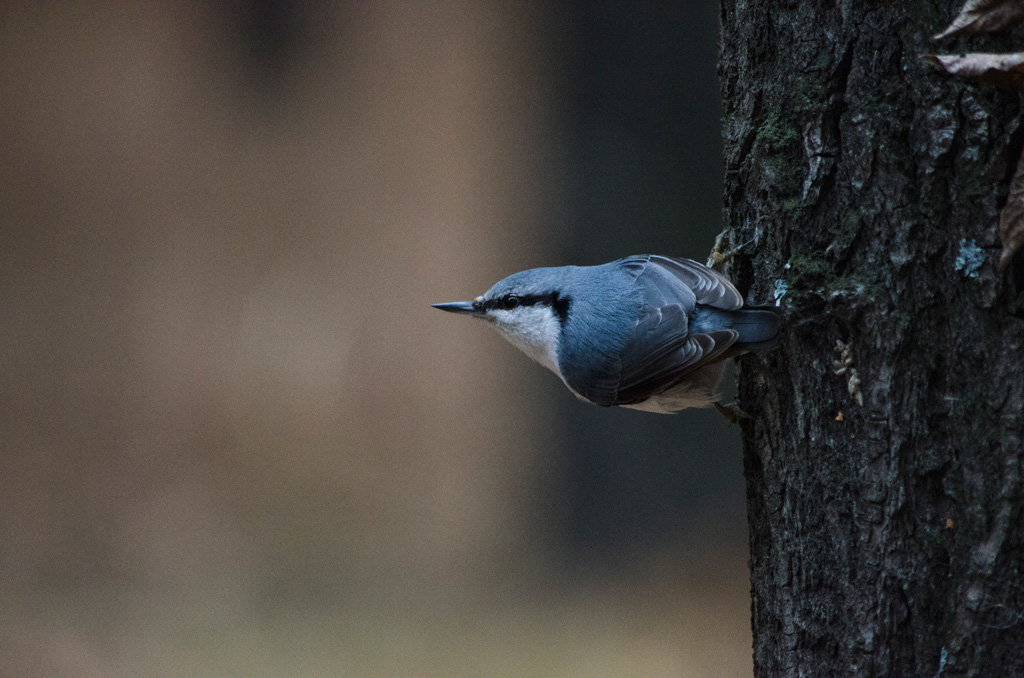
[604,307]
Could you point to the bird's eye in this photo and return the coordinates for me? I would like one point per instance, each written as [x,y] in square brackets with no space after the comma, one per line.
[511,301]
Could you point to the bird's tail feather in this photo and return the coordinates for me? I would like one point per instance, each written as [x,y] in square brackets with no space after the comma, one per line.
[758,326]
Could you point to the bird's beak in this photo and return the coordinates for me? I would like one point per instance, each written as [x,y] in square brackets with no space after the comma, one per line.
[466,307]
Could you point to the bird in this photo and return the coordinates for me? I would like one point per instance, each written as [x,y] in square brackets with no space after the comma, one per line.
[645,332]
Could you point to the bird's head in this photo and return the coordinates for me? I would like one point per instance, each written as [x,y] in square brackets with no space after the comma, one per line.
[527,308]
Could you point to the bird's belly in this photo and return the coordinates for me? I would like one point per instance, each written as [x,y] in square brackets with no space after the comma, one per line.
[699,389]
[670,405]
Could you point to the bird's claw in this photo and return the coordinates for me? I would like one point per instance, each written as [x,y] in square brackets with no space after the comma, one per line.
[720,256]
[732,412]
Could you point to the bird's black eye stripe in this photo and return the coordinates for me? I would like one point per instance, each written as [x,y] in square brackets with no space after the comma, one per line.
[558,303]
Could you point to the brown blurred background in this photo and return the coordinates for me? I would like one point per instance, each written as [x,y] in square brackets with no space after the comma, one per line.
[236,438]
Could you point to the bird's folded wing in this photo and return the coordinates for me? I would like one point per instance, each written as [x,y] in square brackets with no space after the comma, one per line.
[708,287]
[662,351]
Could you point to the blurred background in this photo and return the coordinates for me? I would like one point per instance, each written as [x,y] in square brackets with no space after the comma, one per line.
[236,439]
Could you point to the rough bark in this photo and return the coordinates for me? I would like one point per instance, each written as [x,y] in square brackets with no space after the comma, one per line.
[887,538]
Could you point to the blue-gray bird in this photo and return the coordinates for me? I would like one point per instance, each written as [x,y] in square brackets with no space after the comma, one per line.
[647,332]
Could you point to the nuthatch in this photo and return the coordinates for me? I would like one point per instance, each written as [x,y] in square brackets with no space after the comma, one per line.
[647,332]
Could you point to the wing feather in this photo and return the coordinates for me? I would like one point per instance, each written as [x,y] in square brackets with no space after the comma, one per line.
[708,286]
[662,351]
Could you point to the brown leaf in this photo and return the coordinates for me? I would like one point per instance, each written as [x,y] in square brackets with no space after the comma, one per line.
[1001,70]
[1011,219]
[984,16]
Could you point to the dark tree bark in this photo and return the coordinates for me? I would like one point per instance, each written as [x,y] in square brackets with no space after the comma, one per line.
[885,502]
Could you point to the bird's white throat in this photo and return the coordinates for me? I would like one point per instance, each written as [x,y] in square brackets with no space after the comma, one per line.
[534,330]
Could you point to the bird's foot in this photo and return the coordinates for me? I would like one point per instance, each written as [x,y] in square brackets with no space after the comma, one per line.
[733,413]
[720,256]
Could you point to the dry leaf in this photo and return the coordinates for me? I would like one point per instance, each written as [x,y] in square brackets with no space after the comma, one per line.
[1011,219]
[983,16]
[1001,70]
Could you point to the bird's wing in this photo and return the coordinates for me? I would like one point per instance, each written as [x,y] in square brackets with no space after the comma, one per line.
[663,275]
[659,349]
[659,352]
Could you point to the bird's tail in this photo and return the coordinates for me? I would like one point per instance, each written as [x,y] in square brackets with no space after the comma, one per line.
[758,326]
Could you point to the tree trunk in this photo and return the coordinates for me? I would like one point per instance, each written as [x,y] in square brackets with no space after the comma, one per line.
[885,501]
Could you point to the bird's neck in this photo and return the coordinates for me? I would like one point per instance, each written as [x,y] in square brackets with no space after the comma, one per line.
[536,335]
